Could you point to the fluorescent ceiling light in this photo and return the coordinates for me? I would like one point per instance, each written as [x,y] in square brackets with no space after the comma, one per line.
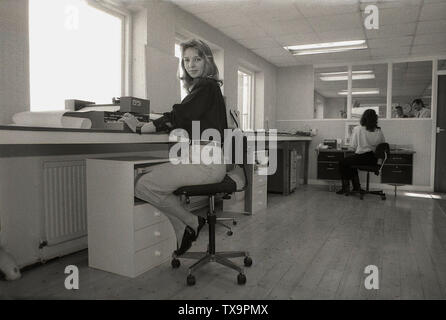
[327,47]
[357,92]
[340,76]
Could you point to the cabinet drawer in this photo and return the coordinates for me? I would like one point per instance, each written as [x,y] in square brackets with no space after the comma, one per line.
[145,215]
[153,234]
[400,174]
[153,256]
[330,156]
[399,159]
[327,170]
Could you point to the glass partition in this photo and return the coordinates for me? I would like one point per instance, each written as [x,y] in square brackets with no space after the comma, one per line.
[369,89]
[442,64]
[330,83]
[412,89]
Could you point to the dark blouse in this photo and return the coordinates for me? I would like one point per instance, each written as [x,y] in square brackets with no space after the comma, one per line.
[204,103]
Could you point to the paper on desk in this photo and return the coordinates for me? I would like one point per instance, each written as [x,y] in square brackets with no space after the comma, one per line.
[54,119]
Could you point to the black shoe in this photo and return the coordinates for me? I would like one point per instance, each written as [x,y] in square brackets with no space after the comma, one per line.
[201,223]
[342,191]
[186,242]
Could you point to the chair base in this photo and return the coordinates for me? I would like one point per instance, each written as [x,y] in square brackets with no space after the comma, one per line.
[218,257]
[364,192]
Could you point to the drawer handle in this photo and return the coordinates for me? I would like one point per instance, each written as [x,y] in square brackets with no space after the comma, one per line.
[399,171]
[397,158]
[330,168]
[157,233]
[157,213]
[331,156]
[157,253]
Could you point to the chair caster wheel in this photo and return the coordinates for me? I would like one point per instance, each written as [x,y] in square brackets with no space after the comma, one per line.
[229,233]
[241,279]
[234,223]
[383,198]
[247,261]
[175,263]
[190,280]
[361,196]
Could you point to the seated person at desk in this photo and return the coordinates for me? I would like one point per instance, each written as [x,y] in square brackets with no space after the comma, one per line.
[203,103]
[364,139]
[400,112]
[420,109]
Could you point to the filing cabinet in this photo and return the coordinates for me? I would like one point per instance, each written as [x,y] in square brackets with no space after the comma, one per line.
[125,236]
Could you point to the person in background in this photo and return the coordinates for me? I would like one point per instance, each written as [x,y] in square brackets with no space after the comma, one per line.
[420,109]
[204,103]
[400,112]
[365,138]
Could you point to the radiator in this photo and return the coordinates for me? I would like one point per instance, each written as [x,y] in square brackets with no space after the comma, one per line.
[65,205]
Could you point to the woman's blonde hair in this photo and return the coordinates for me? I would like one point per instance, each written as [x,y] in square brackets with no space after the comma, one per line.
[204,52]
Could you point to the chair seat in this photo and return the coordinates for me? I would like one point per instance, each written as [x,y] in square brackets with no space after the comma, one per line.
[371,168]
[227,185]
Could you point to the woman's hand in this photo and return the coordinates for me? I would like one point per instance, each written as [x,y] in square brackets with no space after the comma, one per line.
[131,121]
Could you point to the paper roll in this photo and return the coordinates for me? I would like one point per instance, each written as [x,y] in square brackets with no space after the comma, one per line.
[54,119]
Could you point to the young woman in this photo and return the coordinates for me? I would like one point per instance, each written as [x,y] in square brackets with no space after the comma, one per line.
[365,138]
[205,104]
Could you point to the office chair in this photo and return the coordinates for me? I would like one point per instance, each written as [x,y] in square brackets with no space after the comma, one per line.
[381,153]
[227,186]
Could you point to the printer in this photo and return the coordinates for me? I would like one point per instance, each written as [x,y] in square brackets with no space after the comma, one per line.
[106,116]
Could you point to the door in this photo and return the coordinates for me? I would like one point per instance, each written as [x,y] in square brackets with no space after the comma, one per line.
[440,155]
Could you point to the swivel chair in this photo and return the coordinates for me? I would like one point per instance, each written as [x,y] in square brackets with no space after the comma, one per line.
[227,186]
[381,153]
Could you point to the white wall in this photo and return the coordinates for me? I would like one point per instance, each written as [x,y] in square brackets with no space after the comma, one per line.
[295,93]
[14,59]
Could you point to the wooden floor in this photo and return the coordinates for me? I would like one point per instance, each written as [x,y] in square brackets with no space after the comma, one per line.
[312,244]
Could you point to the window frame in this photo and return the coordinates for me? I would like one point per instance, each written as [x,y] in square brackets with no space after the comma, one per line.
[124,14]
[390,63]
[251,110]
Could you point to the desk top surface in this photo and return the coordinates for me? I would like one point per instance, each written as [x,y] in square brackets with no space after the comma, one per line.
[393,151]
[10,134]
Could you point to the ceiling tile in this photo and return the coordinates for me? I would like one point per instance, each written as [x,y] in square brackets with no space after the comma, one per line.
[243,32]
[385,4]
[320,8]
[272,52]
[278,28]
[434,11]
[429,49]
[390,51]
[336,22]
[392,31]
[398,15]
[258,42]
[390,42]
[429,39]
[297,39]
[426,27]
[350,34]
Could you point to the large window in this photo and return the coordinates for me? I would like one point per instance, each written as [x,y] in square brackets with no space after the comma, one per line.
[369,89]
[245,99]
[76,52]
[330,88]
[411,80]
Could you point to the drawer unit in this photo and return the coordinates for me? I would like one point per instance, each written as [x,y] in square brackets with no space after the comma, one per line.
[328,170]
[259,180]
[330,156]
[153,234]
[153,256]
[396,174]
[145,215]
[400,159]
